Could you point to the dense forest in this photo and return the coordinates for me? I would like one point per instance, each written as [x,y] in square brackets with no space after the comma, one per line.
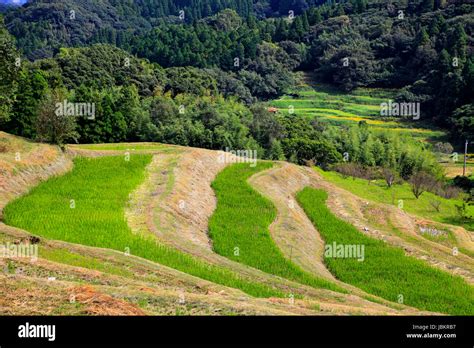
[198,72]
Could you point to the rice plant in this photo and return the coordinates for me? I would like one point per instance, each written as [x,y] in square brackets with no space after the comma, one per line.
[385,270]
[338,108]
[86,206]
[239,226]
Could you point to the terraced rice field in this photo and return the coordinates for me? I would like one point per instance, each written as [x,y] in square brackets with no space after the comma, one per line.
[239,226]
[86,206]
[339,108]
[379,192]
[385,271]
[126,147]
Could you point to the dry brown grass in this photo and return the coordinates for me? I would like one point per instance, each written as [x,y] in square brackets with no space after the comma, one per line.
[128,285]
[452,171]
[4,148]
[400,229]
[183,217]
[187,178]
[25,164]
[97,303]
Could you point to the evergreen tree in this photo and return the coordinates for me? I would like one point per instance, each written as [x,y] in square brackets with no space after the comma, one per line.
[8,72]
[275,152]
[457,42]
[32,88]
[422,38]
[305,21]
[427,6]
[438,25]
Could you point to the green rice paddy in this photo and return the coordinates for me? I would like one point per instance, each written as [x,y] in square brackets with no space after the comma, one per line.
[379,192]
[338,108]
[86,206]
[240,224]
[385,271]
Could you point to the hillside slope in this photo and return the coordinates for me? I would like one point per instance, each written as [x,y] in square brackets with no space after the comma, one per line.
[85,280]
[174,204]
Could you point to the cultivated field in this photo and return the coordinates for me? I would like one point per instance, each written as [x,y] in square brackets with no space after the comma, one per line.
[385,270]
[71,278]
[124,229]
[237,161]
[320,101]
[86,206]
[401,195]
[239,226]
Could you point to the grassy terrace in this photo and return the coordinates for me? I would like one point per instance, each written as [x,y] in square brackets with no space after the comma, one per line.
[379,192]
[130,147]
[239,226]
[385,270]
[340,108]
[99,189]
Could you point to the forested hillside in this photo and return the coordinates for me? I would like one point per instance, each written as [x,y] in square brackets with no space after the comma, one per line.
[423,46]
[203,79]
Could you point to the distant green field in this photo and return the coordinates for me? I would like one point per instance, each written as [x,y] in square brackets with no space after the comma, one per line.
[379,192]
[86,206]
[127,147]
[384,270]
[338,108]
[239,226]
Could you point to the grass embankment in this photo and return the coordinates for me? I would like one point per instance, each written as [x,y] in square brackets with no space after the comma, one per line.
[86,206]
[385,270]
[17,153]
[239,226]
[379,192]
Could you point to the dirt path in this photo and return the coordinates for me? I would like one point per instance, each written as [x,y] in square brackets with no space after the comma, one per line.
[191,201]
